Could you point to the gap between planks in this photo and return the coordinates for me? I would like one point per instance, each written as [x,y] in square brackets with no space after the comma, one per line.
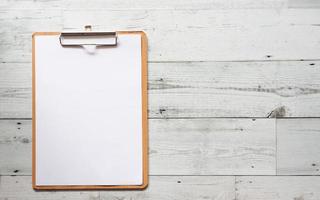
[205,61]
[165,118]
[188,175]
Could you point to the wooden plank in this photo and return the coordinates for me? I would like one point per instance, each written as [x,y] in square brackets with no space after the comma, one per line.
[15,102]
[175,187]
[180,187]
[298,88]
[15,147]
[141,4]
[234,89]
[278,187]
[177,4]
[177,147]
[201,89]
[28,4]
[15,90]
[153,4]
[304,4]
[171,187]
[17,26]
[246,34]
[15,75]
[212,89]
[179,35]
[298,147]
[20,187]
[212,147]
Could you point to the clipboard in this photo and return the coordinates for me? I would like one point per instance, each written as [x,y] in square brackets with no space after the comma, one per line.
[108,40]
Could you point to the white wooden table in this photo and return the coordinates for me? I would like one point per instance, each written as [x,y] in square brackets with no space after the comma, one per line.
[234,95]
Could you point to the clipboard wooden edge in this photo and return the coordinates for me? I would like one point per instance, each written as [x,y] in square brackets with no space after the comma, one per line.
[144,83]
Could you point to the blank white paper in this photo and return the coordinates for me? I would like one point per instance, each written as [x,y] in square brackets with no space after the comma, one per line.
[88,113]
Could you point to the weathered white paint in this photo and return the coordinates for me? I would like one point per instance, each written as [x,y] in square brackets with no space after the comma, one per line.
[204,30]
[17,26]
[179,35]
[177,147]
[278,187]
[28,4]
[183,187]
[154,4]
[15,90]
[201,89]
[177,4]
[20,187]
[212,147]
[298,147]
[180,187]
[163,187]
[206,35]
[15,147]
[234,89]
[141,4]
[303,4]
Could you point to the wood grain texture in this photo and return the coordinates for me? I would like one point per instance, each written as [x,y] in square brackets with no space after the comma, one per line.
[240,31]
[303,4]
[212,147]
[17,26]
[222,35]
[201,89]
[154,4]
[298,147]
[15,147]
[177,147]
[177,4]
[242,34]
[29,4]
[180,187]
[172,187]
[19,187]
[179,35]
[278,187]
[15,90]
[234,89]
[140,4]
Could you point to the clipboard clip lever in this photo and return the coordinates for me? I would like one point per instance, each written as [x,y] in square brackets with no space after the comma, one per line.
[88,38]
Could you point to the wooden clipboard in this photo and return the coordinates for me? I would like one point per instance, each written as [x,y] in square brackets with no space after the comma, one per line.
[144,50]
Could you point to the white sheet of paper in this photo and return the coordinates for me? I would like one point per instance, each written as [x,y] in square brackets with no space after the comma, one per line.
[88,113]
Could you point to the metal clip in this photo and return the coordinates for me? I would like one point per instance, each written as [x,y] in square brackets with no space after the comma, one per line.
[88,38]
